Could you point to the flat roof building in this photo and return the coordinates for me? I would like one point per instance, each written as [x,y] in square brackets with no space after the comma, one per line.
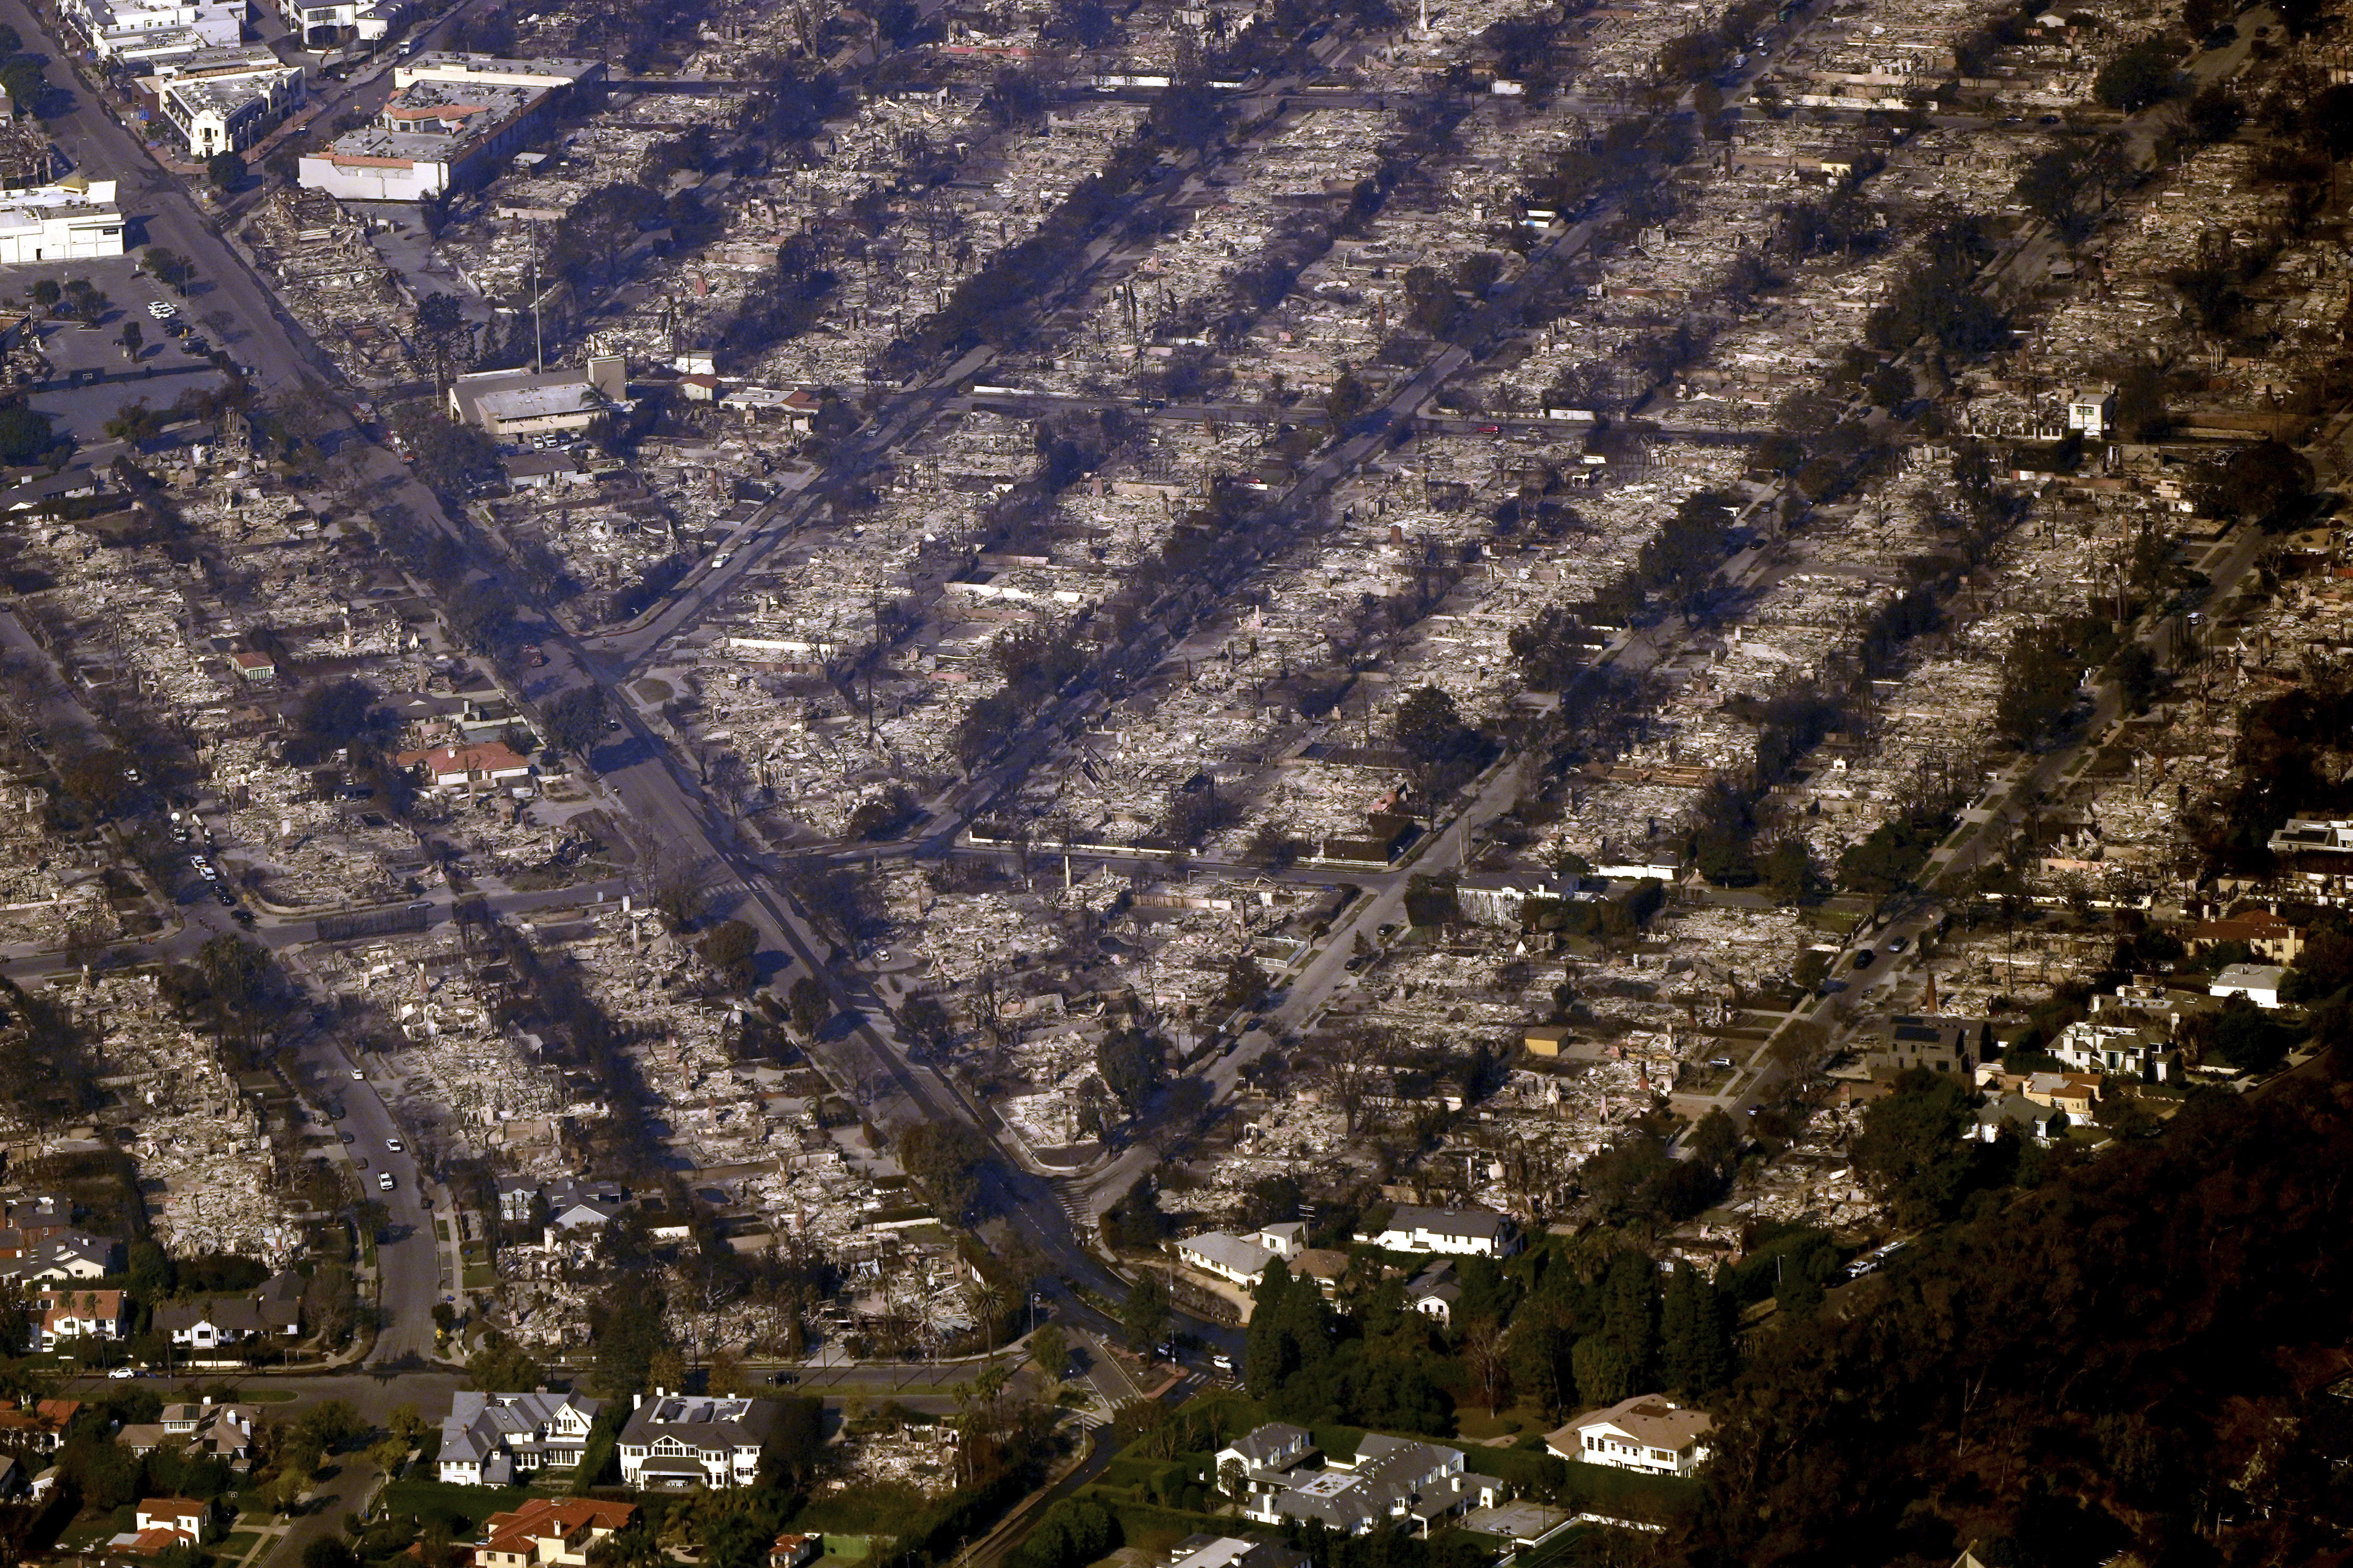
[72,220]
[230,112]
[508,404]
[451,120]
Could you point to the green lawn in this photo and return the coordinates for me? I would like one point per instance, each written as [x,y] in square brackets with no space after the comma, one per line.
[1553,1552]
[481,1277]
[440,1499]
[235,1548]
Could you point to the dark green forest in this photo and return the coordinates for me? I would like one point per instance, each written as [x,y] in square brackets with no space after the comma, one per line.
[2143,1353]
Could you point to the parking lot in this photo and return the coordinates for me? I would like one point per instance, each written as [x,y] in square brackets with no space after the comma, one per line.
[164,370]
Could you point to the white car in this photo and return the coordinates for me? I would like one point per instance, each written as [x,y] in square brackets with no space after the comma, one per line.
[392,1144]
[161,309]
[358,1076]
[721,559]
[383,1180]
[124,1372]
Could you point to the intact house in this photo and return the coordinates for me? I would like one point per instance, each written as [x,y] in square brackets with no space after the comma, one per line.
[448,768]
[2126,1050]
[273,1310]
[188,1520]
[162,1524]
[2266,934]
[57,1256]
[1390,1482]
[2258,982]
[1464,1232]
[40,1425]
[1648,1433]
[1242,1259]
[679,1441]
[205,1430]
[1434,1293]
[795,1549]
[492,1439]
[547,1532]
[1231,1552]
[586,1206]
[77,1314]
[323,25]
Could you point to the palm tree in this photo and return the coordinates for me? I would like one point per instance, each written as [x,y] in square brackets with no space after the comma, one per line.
[132,338]
[990,1300]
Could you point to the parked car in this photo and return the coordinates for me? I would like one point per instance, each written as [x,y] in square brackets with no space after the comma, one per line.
[383,1180]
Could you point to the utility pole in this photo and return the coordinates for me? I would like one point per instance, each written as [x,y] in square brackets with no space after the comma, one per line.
[538,345]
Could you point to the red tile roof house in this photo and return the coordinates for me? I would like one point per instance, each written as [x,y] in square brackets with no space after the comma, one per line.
[163,1523]
[547,1531]
[71,1314]
[40,1426]
[467,767]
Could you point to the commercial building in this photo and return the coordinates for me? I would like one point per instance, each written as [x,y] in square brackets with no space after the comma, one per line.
[509,405]
[323,25]
[75,219]
[451,120]
[147,29]
[230,112]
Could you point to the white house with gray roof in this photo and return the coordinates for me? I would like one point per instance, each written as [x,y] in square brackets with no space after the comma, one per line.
[1463,1232]
[500,1439]
[680,1441]
[1391,1481]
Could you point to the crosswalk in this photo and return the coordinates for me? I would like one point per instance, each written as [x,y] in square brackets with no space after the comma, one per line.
[1073,1201]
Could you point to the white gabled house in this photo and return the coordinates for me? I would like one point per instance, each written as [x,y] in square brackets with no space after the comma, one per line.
[1460,1232]
[1646,1432]
[1392,1480]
